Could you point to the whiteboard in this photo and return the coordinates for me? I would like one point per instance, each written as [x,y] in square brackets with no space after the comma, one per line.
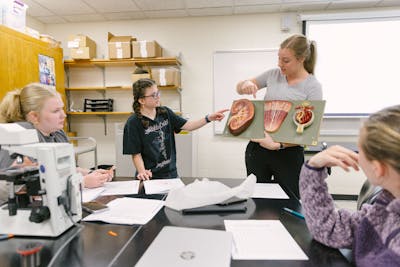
[230,67]
[359,71]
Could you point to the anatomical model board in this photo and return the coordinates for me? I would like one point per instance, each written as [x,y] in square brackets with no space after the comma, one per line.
[295,122]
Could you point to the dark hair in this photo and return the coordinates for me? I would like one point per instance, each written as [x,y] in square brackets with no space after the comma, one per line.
[380,136]
[302,48]
[139,90]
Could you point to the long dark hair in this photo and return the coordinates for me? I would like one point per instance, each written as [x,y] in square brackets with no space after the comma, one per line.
[139,90]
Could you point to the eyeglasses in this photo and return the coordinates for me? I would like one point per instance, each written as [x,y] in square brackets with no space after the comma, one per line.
[154,95]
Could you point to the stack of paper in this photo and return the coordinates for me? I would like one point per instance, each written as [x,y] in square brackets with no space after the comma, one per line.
[263,190]
[111,188]
[161,186]
[128,211]
[249,238]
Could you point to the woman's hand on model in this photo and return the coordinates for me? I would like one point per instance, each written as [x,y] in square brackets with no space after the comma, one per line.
[144,175]
[247,87]
[267,142]
[335,156]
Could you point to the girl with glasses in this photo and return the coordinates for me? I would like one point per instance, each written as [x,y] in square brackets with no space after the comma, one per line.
[149,134]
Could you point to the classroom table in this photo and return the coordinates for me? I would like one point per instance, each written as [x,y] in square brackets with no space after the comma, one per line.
[93,246]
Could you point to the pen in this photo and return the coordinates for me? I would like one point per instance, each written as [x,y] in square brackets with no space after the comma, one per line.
[295,213]
[6,236]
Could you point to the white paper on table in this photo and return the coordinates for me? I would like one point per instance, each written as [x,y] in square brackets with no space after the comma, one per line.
[121,188]
[262,240]
[128,211]
[206,192]
[88,194]
[161,186]
[263,190]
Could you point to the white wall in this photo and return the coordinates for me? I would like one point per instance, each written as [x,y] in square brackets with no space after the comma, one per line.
[35,24]
[195,39]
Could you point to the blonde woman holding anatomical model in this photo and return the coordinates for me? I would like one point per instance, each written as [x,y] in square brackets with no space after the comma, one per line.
[293,80]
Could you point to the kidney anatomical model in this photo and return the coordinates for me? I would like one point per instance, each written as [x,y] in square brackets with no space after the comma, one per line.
[242,115]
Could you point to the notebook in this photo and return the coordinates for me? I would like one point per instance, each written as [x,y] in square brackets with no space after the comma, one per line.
[180,246]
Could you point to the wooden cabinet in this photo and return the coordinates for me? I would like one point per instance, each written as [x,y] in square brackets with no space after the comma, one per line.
[19,60]
[103,87]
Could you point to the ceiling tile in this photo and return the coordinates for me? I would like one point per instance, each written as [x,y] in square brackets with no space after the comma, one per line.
[112,6]
[84,18]
[160,4]
[217,11]
[256,9]
[388,3]
[53,11]
[256,2]
[125,15]
[166,13]
[309,6]
[51,20]
[338,4]
[208,3]
[69,7]
[34,9]
[304,1]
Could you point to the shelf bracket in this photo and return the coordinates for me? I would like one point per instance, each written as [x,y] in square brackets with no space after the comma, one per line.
[104,117]
[69,123]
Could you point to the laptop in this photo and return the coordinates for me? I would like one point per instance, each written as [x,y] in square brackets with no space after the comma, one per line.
[189,247]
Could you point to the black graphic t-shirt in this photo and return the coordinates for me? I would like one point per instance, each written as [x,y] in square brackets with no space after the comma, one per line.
[154,140]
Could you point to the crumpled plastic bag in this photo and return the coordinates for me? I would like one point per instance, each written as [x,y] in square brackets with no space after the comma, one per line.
[206,192]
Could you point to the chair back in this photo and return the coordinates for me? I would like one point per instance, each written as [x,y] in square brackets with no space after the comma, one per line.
[368,194]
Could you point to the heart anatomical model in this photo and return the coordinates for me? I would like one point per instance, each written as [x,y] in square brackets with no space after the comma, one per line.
[275,113]
[242,115]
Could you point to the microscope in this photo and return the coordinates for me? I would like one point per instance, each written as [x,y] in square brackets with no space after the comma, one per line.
[43,199]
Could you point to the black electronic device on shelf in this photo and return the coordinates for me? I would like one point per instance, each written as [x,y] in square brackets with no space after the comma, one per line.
[94,105]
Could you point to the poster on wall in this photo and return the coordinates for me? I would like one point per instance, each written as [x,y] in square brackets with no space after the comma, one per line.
[47,74]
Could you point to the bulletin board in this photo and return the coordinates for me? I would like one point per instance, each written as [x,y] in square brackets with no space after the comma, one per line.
[232,66]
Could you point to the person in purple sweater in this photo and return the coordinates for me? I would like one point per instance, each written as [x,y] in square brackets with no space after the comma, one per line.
[373,232]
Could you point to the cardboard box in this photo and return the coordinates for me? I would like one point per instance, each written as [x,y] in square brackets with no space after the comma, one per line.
[166,76]
[119,46]
[83,53]
[80,40]
[146,49]
[140,73]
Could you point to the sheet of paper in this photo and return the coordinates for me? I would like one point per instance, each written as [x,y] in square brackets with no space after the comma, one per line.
[161,186]
[88,194]
[263,190]
[262,240]
[128,211]
[121,188]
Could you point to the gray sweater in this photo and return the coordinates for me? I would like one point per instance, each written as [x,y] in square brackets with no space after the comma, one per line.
[373,233]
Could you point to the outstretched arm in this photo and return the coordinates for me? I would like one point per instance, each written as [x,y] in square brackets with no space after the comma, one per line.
[196,124]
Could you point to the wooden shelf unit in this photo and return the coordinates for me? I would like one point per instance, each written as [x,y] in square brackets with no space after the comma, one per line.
[140,62]
[103,63]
